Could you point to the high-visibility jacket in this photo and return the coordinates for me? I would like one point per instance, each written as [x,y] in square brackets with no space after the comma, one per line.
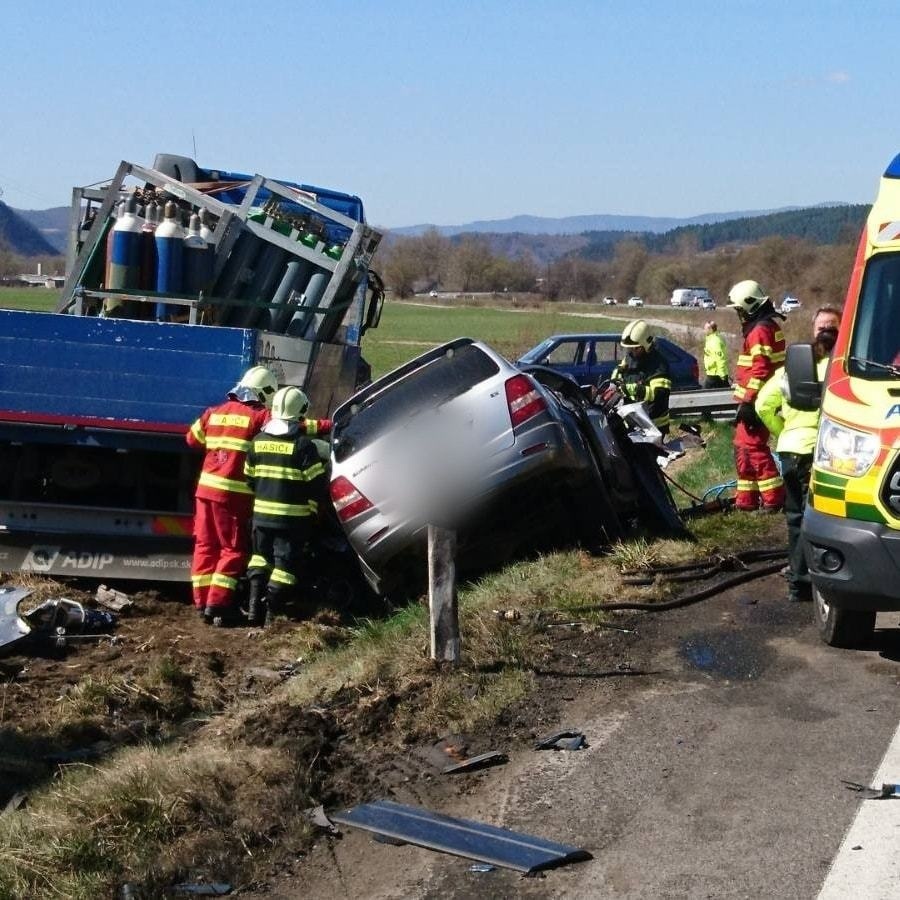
[645,378]
[796,429]
[225,432]
[762,353]
[286,476]
[715,355]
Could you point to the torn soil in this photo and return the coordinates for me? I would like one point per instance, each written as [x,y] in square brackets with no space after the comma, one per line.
[179,751]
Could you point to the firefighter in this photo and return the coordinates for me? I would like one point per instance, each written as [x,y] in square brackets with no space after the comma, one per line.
[715,357]
[223,500]
[797,431]
[643,373]
[758,479]
[286,474]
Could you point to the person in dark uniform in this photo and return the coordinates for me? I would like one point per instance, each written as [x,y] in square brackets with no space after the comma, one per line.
[643,373]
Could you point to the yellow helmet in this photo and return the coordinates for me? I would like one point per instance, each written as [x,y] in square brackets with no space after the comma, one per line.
[747,297]
[637,334]
[290,404]
[257,384]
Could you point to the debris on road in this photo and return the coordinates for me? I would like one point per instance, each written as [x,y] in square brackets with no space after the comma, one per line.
[318,817]
[887,791]
[562,740]
[461,837]
[12,626]
[482,867]
[482,761]
[112,599]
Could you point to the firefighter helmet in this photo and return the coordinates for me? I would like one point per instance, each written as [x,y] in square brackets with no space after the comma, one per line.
[256,385]
[637,334]
[747,297]
[290,404]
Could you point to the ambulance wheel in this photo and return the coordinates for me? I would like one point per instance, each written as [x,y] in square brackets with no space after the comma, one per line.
[849,628]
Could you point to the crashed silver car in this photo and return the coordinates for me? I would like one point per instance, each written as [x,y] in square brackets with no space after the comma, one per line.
[461,437]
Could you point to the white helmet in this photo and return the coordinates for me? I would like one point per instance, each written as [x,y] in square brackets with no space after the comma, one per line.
[747,297]
[637,334]
[290,404]
[256,385]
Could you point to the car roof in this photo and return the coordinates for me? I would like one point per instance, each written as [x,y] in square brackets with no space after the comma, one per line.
[592,335]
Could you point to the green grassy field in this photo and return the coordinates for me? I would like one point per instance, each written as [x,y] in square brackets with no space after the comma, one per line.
[39,299]
[407,330]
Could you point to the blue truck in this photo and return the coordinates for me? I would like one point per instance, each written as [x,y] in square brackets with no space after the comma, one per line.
[96,479]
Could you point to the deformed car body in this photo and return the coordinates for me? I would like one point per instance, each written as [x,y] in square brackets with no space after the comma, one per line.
[589,358]
[461,437]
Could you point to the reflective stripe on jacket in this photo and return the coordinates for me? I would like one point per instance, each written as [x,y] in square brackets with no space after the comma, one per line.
[715,355]
[796,429]
[225,433]
[646,378]
[762,353]
[286,475]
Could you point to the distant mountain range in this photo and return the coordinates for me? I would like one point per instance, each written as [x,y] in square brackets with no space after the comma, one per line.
[20,236]
[525,224]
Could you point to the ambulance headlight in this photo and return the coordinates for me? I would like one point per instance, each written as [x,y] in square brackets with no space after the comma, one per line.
[845,451]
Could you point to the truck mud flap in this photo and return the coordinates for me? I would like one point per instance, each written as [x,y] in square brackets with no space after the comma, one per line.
[96,556]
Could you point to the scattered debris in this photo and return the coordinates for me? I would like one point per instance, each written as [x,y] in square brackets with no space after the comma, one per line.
[461,837]
[12,626]
[482,867]
[17,801]
[482,761]
[562,740]
[61,616]
[508,615]
[887,790]
[112,599]
[318,817]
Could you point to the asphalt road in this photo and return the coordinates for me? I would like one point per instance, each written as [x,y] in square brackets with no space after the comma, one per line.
[717,776]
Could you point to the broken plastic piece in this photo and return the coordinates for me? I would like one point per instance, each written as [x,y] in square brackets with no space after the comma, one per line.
[113,599]
[13,626]
[562,740]
[319,818]
[482,867]
[462,837]
[483,760]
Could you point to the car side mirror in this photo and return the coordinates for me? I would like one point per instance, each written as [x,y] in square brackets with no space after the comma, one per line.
[804,390]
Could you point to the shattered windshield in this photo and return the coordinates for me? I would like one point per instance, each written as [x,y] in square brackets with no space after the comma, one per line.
[875,346]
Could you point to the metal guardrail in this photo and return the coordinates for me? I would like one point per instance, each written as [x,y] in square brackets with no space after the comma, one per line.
[719,400]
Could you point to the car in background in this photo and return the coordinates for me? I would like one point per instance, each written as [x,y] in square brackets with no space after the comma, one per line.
[610,301]
[708,303]
[635,301]
[461,438]
[589,358]
[789,304]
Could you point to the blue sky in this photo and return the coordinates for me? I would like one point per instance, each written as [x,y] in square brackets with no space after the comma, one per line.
[449,112]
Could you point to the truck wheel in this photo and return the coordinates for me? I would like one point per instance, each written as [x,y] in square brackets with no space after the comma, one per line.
[849,628]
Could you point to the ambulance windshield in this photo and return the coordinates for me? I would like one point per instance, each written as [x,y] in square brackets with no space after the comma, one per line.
[875,346]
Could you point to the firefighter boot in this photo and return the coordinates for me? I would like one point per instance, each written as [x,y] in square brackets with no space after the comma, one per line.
[256,603]
[273,607]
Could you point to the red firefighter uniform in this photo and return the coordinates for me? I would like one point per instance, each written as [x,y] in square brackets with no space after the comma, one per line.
[224,501]
[757,475]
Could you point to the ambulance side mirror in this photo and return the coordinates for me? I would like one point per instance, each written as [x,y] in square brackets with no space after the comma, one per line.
[804,390]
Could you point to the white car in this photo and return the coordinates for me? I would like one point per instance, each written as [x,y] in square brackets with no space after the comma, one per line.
[610,301]
[635,301]
[789,304]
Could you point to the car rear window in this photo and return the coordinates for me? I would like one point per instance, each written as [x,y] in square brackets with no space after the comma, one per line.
[437,381]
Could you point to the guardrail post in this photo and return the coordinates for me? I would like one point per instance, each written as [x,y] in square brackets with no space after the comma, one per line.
[442,603]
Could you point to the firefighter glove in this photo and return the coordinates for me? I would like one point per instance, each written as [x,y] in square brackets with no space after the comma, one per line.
[746,415]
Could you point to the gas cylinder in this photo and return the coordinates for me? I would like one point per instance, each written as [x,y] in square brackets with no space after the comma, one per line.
[115,212]
[206,231]
[309,303]
[125,257]
[147,279]
[334,251]
[169,247]
[198,259]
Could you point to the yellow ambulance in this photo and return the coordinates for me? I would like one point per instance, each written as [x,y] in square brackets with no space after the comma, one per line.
[851,526]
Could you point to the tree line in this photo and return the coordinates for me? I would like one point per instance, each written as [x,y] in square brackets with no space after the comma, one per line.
[816,271]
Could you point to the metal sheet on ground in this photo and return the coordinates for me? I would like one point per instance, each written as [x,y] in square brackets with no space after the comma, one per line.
[461,837]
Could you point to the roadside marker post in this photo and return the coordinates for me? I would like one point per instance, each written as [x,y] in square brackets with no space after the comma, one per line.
[442,602]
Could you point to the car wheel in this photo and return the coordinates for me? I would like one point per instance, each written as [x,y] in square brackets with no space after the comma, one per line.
[849,628]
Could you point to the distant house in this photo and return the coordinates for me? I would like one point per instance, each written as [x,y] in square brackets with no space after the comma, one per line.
[45,281]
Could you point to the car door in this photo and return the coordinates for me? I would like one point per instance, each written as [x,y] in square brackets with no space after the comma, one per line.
[568,356]
[606,357]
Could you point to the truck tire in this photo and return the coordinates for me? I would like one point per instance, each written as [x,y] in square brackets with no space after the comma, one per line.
[848,628]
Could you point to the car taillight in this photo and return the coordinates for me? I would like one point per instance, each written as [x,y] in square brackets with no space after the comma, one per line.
[523,400]
[348,501]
